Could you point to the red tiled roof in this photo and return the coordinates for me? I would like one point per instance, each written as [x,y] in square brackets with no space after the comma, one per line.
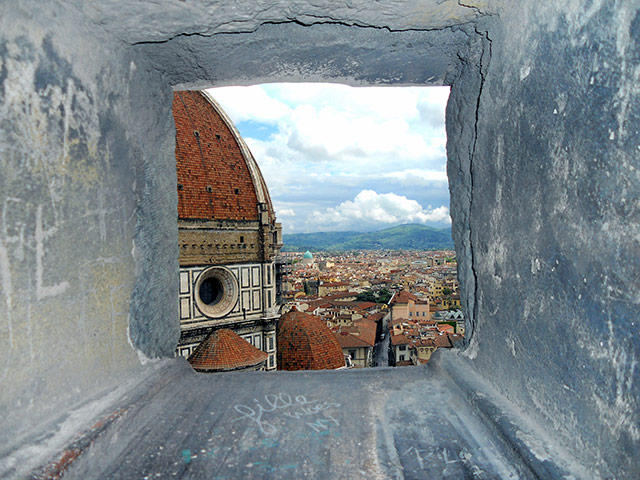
[305,343]
[376,317]
[225,350]
[347,340]
[217,177]
[426,342]
[337,295]
[361,334]
[397,321]
[399,339]
[404,363]
[442,341]
[403,296]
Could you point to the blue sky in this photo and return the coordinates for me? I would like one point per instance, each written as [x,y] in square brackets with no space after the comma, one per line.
[343,158]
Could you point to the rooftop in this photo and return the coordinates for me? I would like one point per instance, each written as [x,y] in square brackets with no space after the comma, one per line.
[288,425]
[225,350]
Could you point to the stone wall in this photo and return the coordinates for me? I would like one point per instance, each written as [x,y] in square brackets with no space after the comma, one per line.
[84,175]
[211,247]
[547,219]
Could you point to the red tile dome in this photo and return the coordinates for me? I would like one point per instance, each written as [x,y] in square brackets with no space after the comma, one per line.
[218,178]
[225,350]
[305,343]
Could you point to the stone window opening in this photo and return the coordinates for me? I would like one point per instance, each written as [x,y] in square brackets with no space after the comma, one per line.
[226,158]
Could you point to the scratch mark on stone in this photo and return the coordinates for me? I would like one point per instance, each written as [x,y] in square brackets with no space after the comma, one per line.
[6,288]
[40,236]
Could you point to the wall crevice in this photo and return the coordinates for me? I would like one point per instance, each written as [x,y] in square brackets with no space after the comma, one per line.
[296,21]
[485,58]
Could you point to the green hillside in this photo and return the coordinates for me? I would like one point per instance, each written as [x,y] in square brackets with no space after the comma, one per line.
[402,237]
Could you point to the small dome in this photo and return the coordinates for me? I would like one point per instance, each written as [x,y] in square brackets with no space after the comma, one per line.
[307,254]
[225,350]
[305,343]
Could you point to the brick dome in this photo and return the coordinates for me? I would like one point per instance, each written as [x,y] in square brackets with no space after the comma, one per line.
[218,178]
[225,350]
[305,343]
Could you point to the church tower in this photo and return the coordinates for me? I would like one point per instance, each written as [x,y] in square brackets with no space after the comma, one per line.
[227,231]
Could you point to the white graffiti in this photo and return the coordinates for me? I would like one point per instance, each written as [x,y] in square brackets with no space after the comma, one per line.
[298,407]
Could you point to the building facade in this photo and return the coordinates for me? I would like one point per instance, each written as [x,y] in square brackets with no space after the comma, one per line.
[406,305]
[227,231]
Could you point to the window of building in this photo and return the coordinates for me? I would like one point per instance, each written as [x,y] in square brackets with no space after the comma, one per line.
[289,209]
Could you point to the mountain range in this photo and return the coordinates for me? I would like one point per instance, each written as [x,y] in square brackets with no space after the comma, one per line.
[402,237]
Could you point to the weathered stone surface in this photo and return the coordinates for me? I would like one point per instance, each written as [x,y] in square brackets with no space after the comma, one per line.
[547,213]
[144,22]
[410,423]
[85,175]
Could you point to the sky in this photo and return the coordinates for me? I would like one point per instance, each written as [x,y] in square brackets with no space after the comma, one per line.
[339,158]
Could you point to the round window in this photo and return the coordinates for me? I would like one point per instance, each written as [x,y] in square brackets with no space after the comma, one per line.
[216,292]
[211,291]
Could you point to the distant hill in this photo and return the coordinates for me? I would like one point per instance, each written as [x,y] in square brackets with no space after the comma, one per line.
[402,237]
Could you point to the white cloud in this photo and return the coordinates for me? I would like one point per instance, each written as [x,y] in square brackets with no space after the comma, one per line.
[370,207]
[250,103]
[336,123]
[332,143]
[416,174]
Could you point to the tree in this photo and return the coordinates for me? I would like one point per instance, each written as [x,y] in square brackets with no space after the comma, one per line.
[384,295]
[446,291]
[367,296]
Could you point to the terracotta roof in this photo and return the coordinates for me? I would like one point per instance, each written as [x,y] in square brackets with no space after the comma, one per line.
[397,321]
[426,342]
[399,339]
[305,343]
[376,317]
[348,340]
[354,304]
[337,295]
[218,177]
[334,284]
[404,363]
[442,341]
[361,334]
[403,296]
[225,350]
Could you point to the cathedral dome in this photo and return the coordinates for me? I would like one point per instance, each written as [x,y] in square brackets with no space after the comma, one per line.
[305,343]
[218,178]
[224,350]
[308,255]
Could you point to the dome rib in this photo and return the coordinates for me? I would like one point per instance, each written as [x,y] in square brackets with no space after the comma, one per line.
[260,186]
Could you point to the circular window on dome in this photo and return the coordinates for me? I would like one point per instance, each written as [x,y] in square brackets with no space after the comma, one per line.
[216,292]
